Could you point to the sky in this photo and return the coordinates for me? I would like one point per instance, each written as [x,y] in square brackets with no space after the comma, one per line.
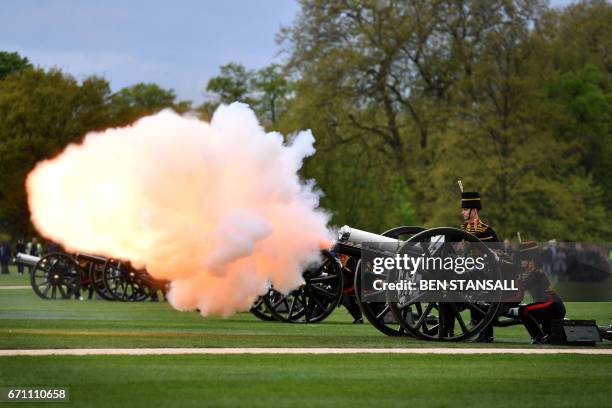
[176,44]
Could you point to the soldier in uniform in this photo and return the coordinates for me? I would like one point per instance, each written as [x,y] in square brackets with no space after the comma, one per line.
[470,204]
[20,248]
[537,316]
[349,298]
[5,256]
[33,248]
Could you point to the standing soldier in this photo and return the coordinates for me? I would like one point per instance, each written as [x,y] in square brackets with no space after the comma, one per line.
[5,256]
[33,248]
[20,248]
[349,297]
[470,204]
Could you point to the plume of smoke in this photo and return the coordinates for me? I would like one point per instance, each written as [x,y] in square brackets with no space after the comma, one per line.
[218,209]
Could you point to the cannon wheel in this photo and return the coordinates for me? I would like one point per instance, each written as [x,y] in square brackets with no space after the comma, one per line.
[121,281]
[315,299]
[96,277]
[56,275]
[436,320]
[379,313]
[260,310]
[152,286]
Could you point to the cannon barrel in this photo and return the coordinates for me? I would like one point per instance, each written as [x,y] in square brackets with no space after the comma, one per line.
[350,240]
[91,258]
[25,259]
[350,235]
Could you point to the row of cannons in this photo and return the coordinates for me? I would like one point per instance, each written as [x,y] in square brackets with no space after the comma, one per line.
[61,275]
[64,276]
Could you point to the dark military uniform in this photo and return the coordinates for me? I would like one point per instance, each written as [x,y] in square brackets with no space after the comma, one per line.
[547,305]
[482,231]
[349,297]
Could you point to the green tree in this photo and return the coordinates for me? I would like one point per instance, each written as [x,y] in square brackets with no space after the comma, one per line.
[266,90]
[146,95]
[583,35]
[11,62]
[581,87]
[133,102]
[583,100]
[40,113]
[273,90]
[232,84]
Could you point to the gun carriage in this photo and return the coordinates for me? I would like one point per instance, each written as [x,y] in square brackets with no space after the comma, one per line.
[62,276]
[312,302]
[322,290]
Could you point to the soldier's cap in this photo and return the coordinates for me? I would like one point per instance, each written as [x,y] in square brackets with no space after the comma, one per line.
[470,199]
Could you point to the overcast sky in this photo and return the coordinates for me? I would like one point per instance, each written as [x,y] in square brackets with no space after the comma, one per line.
[177,44]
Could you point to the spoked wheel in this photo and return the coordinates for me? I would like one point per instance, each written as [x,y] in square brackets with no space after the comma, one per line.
[445,321]
[286,308]
[56,276]
[260,310]
[122,282]
[96,277]
[150,285]
[315,299]
[379,313]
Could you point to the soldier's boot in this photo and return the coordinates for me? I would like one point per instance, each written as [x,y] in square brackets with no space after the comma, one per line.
[351,305]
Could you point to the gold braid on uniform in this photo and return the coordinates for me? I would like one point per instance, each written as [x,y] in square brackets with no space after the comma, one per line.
[481,230]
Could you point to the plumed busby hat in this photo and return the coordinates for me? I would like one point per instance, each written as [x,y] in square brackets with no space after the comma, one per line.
[470,199]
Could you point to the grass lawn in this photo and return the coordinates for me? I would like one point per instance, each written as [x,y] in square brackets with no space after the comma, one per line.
[13,279]
[319,380]
[276,380]
[27,321]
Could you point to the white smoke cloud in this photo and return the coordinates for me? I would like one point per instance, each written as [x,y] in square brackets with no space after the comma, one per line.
[217,208]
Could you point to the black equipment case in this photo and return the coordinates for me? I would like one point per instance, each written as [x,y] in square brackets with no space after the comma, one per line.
[574,332]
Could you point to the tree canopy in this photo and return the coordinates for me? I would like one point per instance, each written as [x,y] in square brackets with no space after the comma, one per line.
[11,62]
[430,92]
[266,90]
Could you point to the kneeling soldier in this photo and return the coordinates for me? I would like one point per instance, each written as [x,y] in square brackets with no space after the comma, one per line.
[548,305]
